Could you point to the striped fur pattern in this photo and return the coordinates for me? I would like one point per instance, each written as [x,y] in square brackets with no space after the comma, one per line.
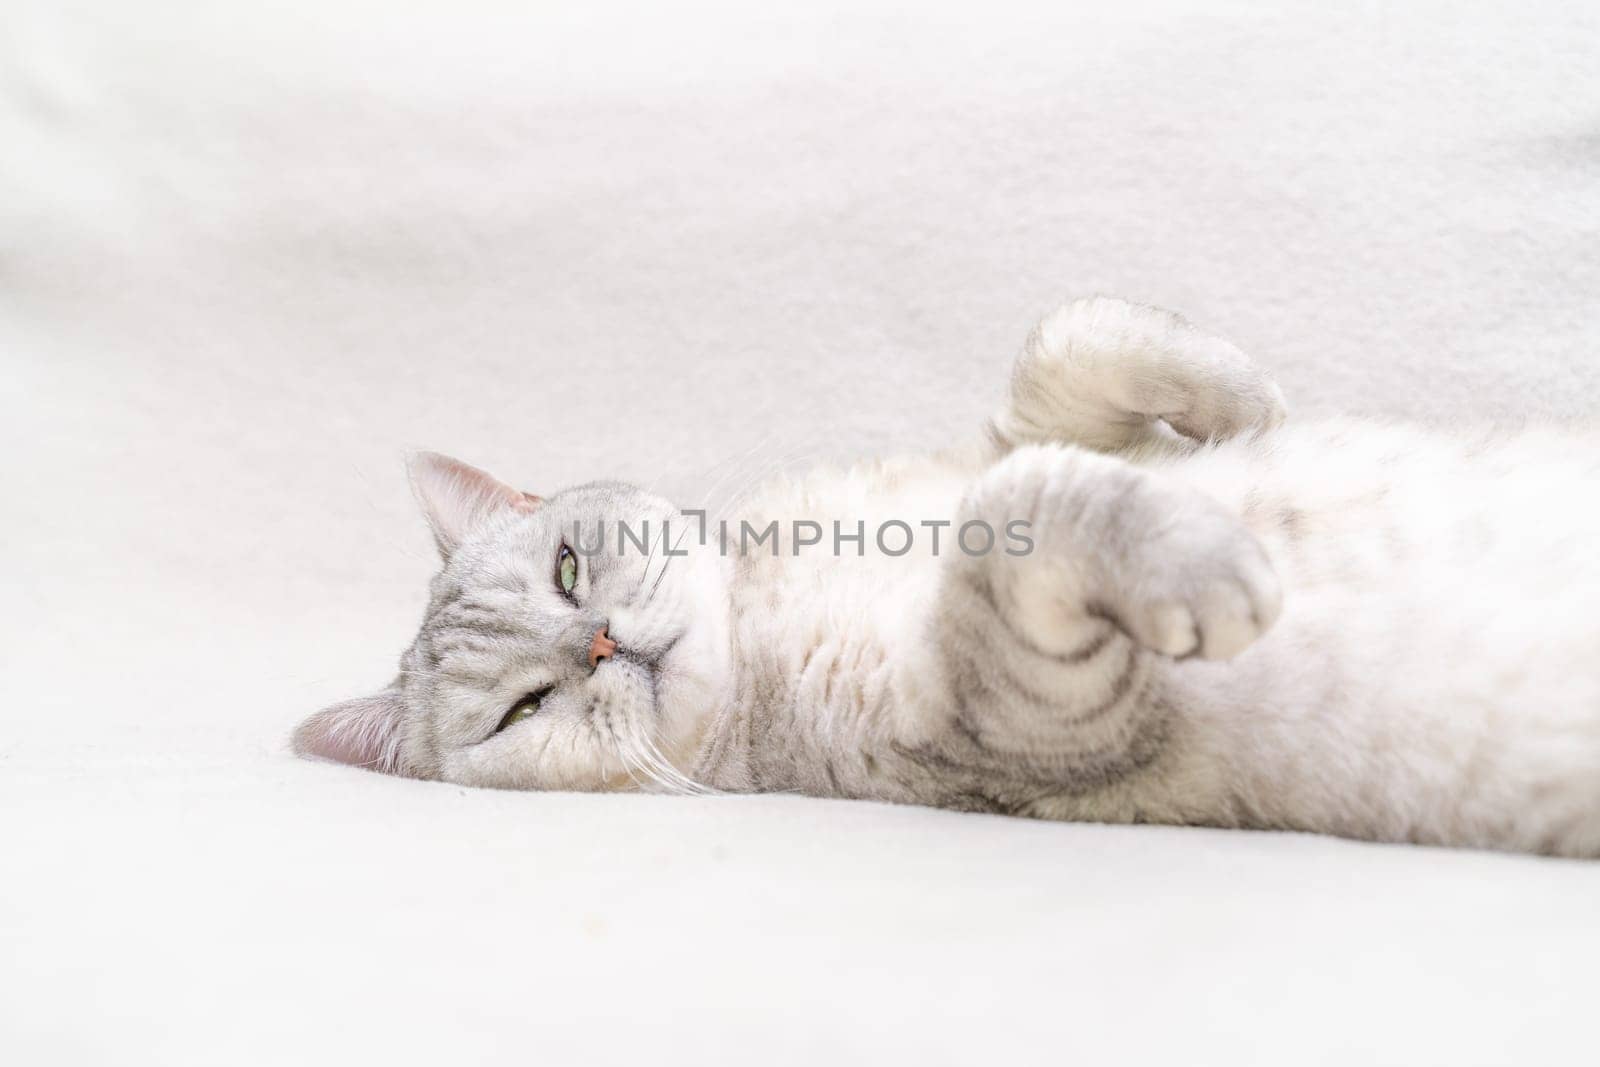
[1224,619]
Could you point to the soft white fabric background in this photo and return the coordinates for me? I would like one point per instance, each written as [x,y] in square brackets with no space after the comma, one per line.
[250,254]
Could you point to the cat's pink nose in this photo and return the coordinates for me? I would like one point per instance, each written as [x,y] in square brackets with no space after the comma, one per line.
[602,647]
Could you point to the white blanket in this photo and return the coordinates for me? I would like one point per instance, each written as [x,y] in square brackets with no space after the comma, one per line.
[248,257]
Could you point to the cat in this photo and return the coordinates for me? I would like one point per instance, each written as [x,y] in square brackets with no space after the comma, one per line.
[1188,612]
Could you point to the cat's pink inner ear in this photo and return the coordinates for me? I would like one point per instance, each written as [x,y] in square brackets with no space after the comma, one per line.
[457,497]
[363,733]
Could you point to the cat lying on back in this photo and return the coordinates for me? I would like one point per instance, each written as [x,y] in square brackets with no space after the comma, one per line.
[1193,615]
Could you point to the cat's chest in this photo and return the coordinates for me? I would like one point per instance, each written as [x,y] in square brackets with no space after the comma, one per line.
[841,555]
[812,634]
[816,680]
[821,629]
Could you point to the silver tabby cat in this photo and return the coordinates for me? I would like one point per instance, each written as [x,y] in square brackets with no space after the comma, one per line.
[1217,619]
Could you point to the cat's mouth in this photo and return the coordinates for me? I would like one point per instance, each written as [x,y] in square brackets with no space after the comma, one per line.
[651,656]
[660,658]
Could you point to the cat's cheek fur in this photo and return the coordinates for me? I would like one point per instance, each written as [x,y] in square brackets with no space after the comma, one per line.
[696,677]
[556,753]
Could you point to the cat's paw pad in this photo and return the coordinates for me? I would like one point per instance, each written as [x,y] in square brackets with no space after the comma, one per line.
[1212,604]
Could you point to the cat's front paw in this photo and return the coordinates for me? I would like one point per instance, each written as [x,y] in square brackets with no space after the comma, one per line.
[1205,588]
[1218,621]
[1165,563]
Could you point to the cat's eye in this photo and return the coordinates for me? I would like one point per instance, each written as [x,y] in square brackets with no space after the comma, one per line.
[566,570]
[526,708]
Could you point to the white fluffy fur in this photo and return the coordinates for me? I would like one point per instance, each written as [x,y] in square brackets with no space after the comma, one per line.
[1350,628]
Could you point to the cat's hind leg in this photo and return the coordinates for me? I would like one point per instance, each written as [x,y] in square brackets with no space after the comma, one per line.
[1110,375]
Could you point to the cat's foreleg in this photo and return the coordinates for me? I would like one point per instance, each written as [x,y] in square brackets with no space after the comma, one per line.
[1042,656]
[1111,375]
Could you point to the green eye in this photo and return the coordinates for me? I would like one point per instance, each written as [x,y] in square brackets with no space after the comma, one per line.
[566,569]
[526,708]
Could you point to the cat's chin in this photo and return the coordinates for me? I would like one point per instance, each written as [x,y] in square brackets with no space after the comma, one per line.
[686,696]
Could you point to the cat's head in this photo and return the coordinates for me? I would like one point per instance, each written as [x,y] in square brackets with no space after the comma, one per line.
[541,665]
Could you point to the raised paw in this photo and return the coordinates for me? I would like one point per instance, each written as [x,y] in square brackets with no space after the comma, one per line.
[1214,619]
[1202,587]
[1107,373]
[1167,564]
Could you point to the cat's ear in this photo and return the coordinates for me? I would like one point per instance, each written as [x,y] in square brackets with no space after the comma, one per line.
[364,732]
[456,497]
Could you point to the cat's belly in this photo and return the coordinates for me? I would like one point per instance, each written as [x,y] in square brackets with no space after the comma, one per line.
[1435,675]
